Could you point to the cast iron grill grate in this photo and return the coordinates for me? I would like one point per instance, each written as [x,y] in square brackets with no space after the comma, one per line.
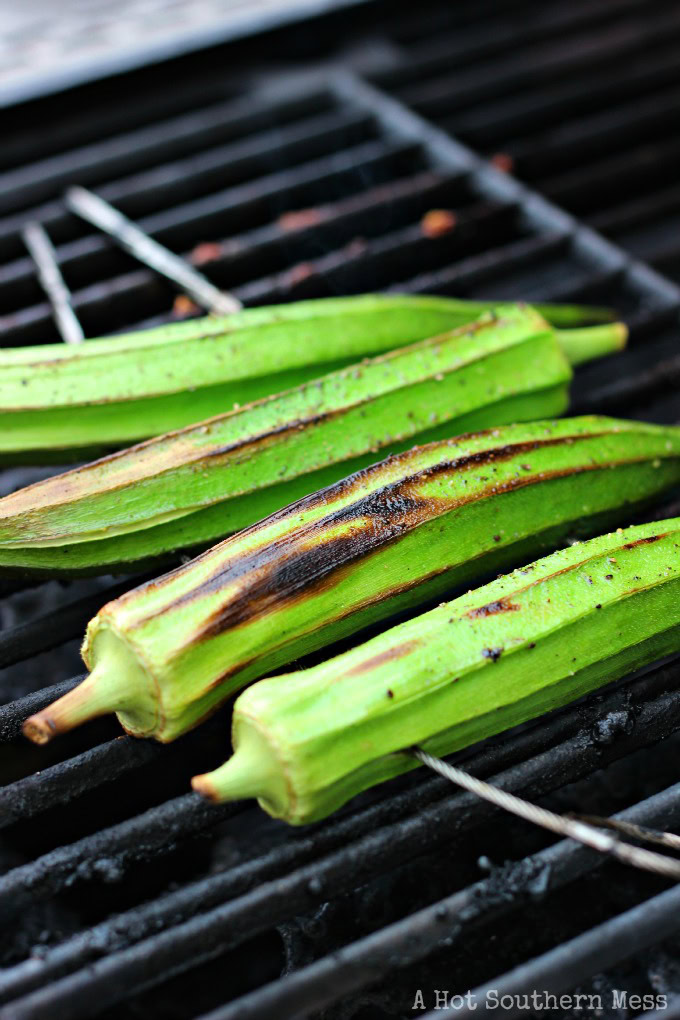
[580,100]
[121,892]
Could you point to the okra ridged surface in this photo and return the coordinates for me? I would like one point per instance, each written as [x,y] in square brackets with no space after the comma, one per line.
[387,538]
[542,636]
[191,487]
[57,401]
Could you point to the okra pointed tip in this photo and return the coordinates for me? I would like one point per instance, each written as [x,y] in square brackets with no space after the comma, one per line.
[203,784]
[252,771]
[39,728]
[95,696]
[75,707]
[240,778]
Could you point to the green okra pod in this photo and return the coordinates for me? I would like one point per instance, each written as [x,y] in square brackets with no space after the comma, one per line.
[191,487]
[58,401]
[385,539]
[542,636]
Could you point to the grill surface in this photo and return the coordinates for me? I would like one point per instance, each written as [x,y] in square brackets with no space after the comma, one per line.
[124,895]
[581,100]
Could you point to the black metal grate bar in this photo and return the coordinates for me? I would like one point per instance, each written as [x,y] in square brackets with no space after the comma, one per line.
[207,935]
[565,966]
[112,850]
[507,120]
[493,31]
[53,629]
[13,713]
[538,213]
[62,783]
[153,145]
[220,214]
[166,223]
[144,194]
[539,63]
[334,977]
[239,255]
[381,819]
[598,134]
[580,103]
[382,258]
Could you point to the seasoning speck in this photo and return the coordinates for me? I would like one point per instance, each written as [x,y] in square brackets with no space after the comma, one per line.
[492,653]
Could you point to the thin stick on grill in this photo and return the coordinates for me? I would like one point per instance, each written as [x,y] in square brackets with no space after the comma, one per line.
[129,236]
[641,832]
[45,258]
[588,835]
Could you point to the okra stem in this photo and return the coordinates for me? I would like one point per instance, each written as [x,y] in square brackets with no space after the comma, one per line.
[118,679]
[89,699]
[567,316]
[254,769]
[580,345]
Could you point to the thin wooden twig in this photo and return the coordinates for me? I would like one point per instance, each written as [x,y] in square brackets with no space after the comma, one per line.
[641,832]
[43,254]
[130,237]
[647,860]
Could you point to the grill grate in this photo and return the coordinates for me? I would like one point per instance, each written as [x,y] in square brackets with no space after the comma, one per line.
[152,900]
[579,100]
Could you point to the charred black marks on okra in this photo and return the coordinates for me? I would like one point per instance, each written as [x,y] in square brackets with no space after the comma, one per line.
[644,541]
[252,443]
[316,557]
[493,455]
[276,579]
[501,606]
[389,655]
[359,479]
[291,570]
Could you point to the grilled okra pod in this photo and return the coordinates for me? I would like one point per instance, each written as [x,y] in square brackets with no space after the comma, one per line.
[385,539]
[58,401]
[192,487]
[307,742]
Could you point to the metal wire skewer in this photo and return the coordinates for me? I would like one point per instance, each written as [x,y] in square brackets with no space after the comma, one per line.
[43,254]
[588,835]
[102,215]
